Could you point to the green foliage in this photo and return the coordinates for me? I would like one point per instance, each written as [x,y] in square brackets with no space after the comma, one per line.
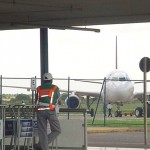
[140,97]
[63,96]
[16,98]
[24,97]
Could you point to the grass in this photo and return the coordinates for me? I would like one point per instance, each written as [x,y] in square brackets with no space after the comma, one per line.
[114,122]
[124,121]
[126,107]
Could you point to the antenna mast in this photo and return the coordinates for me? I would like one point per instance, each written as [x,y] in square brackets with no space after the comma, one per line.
[116,55]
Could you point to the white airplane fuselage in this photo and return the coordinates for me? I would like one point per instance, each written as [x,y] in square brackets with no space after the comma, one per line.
[119,88]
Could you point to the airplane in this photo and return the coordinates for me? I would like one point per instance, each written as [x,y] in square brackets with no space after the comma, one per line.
[119,89]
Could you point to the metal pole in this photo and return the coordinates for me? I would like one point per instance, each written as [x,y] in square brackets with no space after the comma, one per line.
[43,51]
[104,101]
[98,101]
[33,94]
[1,90]
[145,103]
[85,129]
[68,91]
[3,120]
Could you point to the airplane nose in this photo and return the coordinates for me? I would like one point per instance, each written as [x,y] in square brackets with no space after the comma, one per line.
[120,92]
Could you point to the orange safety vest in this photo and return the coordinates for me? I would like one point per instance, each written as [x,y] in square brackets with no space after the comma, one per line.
[45,93]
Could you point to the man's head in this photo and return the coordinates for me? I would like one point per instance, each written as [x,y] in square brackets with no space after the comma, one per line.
[47,77]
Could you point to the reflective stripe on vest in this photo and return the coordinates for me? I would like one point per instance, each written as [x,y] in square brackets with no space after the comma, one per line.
[47,93]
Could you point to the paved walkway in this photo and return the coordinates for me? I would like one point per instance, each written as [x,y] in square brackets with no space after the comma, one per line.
[115,148]
[110,129]
[102,148]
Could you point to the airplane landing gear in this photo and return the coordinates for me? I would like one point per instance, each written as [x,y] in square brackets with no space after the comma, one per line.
[118,113]
[138,112]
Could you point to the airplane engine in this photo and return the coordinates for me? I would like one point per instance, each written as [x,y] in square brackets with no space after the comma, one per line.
[73,102]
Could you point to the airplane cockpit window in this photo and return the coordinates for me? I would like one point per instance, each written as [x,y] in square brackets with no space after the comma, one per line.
[122,79]
[118,76]
[114,79]
[127,78]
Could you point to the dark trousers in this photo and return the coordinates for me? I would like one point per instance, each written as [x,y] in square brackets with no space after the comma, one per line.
[109,113]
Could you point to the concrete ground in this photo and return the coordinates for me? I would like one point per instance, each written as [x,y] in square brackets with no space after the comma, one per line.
[99,133]
[114,148]
[120,138]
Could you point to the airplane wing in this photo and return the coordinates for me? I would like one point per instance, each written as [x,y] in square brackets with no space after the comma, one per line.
[82,93]
[137,94]
[78,93]
[89,81]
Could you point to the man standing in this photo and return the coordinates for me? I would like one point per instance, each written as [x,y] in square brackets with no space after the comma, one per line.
[47,99]
[109,106]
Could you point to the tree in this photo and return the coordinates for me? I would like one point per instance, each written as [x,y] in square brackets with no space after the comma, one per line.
[24,97]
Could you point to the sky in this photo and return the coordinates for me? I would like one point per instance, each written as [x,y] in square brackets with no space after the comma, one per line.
[75,54]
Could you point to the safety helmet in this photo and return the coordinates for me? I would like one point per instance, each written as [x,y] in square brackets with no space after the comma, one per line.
[47,76]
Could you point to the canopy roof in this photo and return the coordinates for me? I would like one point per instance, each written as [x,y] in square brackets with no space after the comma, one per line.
[24,14]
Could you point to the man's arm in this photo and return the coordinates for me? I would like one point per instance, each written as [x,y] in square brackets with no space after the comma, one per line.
[57,96]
